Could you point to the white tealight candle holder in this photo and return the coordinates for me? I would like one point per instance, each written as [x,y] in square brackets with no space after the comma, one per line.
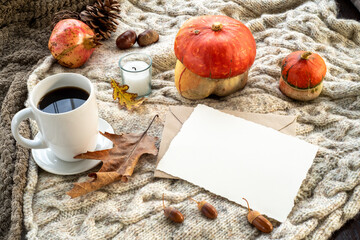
[136,73]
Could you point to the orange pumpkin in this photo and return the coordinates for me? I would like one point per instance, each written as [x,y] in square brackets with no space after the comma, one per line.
[302,75]
[214,55]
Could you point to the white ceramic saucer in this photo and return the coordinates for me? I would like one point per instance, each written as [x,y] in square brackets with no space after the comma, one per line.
[50,163]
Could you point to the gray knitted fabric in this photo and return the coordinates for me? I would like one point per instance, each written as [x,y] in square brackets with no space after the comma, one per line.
[330,194]
[356,3]
[23,42]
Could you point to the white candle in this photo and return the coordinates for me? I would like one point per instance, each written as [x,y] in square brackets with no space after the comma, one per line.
[137,80]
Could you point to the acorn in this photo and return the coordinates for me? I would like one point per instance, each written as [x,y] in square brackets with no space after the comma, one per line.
[172,213]
[258,220]
[206,209]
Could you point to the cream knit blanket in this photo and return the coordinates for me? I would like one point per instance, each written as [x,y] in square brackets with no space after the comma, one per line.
[330,194]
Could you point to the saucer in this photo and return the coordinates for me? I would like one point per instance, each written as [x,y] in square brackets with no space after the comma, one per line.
[46,159]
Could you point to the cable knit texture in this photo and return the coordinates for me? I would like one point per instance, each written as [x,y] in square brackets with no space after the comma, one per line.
[329,195]
[24,33]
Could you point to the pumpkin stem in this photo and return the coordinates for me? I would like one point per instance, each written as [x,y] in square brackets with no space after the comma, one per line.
[216,26]
[305,55]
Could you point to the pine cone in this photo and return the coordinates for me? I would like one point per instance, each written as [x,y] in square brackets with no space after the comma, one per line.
[101,17]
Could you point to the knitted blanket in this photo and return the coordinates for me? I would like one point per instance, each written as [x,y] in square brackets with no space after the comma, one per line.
[328,197]
[24,32]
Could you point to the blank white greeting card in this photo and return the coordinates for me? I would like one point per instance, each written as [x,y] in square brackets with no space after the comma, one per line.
[236,158]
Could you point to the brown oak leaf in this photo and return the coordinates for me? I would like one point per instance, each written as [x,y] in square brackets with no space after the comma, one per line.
[118,162]
[125,98]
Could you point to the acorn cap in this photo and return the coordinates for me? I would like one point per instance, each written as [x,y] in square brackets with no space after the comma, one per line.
[252,215]
[201,204]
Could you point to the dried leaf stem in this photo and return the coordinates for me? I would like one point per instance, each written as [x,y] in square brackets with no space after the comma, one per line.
[124,178]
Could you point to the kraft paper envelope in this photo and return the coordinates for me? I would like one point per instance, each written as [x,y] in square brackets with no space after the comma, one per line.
[236,158]
[177,115]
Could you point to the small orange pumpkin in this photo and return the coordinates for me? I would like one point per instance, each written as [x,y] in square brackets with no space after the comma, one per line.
[214,55]
[302,75]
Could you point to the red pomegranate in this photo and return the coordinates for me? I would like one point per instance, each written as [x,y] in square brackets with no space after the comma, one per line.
[72,42]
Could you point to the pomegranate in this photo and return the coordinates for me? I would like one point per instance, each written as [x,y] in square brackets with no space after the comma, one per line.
[72,42]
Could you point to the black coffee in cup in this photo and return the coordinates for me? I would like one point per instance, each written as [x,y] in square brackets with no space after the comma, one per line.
[63,99]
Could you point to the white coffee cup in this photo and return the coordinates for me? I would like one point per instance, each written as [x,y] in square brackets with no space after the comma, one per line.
[69,133]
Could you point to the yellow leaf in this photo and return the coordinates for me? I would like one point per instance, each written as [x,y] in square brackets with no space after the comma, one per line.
[125,99]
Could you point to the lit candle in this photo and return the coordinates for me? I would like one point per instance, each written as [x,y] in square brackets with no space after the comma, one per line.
[136,73]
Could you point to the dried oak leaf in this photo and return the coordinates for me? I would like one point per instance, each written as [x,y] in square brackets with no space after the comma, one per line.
[118,162]
[125,99]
